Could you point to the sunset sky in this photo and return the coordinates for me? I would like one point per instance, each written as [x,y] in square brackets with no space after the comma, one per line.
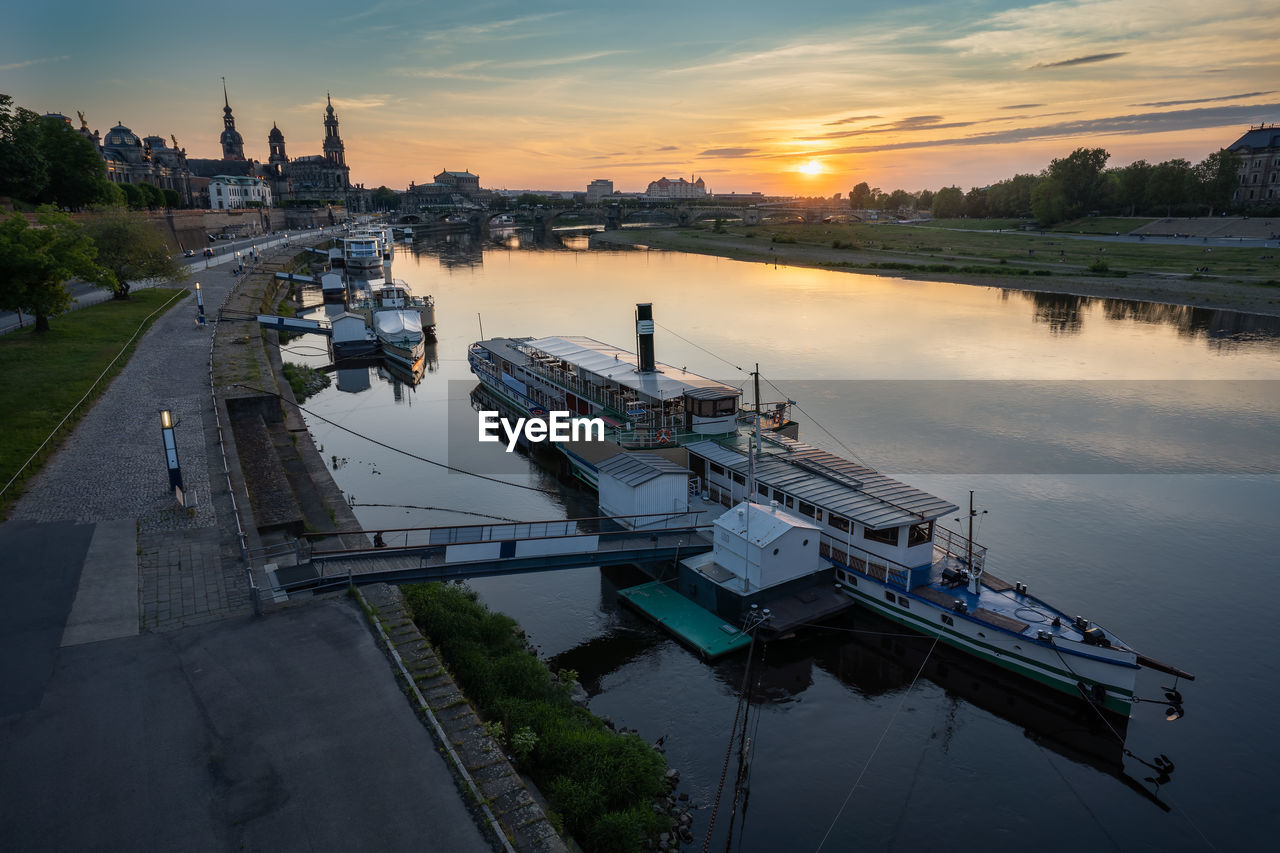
[801,98]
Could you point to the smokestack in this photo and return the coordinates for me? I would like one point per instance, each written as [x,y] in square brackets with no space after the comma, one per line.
[644,337]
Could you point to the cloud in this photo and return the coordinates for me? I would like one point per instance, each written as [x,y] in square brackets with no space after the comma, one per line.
[1205,100]
[490,29]
[12,65]
[360,102]
[915,123]
[1022,106]
[668,148]
[849,120]
[728,152]
[1081,60]
[1126,125]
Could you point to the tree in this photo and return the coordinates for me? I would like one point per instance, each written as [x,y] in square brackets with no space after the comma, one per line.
[77,175]
[384,198]
[975,203]
[1079,179]
[1011,197]
[924,201]
[130,249]
[23,171]
[133,196]
[152,197]
[1131,185]
[860,195]
[1217,178]
[38,261]
[1049,201]
[899,200]
[948,203]
[1172,183]
[172,198]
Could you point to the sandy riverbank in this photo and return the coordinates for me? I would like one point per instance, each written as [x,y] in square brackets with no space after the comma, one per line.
[1208,292]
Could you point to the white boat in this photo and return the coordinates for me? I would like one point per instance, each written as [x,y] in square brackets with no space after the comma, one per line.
[504,219]
[400,337]
[378,294]
[361,252]
[879,540]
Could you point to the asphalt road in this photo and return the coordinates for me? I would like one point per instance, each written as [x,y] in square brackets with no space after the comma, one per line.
[280,733]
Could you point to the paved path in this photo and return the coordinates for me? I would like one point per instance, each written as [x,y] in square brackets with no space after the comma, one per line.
[137,690]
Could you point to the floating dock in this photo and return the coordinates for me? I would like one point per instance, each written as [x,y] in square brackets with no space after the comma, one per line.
[698,628]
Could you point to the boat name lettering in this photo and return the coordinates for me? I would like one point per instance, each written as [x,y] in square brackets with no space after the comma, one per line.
[556,427]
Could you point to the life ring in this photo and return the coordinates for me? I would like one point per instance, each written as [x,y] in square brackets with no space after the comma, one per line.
[664,436]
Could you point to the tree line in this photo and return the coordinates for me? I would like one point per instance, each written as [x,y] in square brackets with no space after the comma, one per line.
[1077,185]
[43,160]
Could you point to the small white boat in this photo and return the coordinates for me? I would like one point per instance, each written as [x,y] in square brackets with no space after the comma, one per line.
[400,337]
[361,252]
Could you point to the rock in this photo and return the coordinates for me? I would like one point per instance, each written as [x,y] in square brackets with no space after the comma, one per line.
[684,797]
[673,775]
[578,695]
[664,838]
[685,835]
[686,819]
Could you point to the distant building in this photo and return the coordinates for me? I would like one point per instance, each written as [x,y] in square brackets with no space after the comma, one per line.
[679,188]
[599,189]
[1259,152]
[459,182]
[228,192]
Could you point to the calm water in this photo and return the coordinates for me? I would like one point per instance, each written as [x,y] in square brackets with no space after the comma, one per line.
[1126,454]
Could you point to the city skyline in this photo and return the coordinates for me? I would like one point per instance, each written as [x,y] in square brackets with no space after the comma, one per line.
[808,99]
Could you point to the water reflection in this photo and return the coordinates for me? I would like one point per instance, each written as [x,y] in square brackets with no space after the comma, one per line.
[1064,313]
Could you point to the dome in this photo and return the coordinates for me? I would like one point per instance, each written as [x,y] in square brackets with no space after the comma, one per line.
[275,135]
[121,137]
[154,142]
[230,136]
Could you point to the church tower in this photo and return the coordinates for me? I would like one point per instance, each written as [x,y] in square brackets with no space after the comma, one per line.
[333,151]
[232,141]
[275,141]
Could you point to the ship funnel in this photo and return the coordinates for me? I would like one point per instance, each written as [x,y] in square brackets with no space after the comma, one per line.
[644,338]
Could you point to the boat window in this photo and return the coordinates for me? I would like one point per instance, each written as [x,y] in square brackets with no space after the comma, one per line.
[806,509]
[716,469]
[888,596]
[838,522]
[920,534]
[888,536]
[904,601]
[947,620]
[739,479]
[762,489]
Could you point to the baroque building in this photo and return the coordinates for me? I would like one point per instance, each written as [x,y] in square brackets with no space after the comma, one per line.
[679,188]
[1259,152]
[131,159]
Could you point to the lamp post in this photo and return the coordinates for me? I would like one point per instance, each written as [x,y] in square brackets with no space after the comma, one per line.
[171,454]
[200,304]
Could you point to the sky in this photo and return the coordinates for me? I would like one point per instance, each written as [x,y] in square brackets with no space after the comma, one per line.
[796,98]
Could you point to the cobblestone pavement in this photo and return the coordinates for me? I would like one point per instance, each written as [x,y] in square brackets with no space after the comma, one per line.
[112,467]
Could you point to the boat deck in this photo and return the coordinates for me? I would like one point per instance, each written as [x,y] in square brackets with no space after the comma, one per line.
[701,629]
[999,603]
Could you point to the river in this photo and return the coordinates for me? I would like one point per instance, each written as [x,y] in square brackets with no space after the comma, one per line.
[1125,453]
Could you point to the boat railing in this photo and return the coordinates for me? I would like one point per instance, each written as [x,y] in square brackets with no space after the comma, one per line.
[860,560]
[655,438]
[953,544]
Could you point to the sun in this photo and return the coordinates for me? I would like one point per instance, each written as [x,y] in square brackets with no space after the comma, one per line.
[813,167]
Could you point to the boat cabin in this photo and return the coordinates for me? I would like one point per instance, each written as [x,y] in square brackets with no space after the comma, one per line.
[644,490]
[867,521]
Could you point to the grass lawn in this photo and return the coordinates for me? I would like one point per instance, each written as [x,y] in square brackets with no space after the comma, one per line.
[45,375]
[1104,224]
[1033,249]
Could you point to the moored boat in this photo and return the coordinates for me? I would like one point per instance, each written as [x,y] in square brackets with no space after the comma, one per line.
[400,337]
[800,521]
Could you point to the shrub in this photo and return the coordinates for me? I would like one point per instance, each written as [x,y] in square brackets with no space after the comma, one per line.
[600,783]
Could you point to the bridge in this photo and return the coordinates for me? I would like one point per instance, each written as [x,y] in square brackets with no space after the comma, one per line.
[488,550]
[613,215]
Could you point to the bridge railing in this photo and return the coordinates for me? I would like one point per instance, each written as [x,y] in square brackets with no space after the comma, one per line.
[607,527]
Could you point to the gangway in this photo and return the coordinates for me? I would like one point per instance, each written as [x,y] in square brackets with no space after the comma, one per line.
[295,324]
[487,550]
[290,276]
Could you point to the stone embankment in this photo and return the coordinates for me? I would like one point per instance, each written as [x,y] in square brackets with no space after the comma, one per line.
[289,490]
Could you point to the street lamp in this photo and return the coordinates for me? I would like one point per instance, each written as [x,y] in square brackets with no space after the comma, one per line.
[200,304]
[171,454]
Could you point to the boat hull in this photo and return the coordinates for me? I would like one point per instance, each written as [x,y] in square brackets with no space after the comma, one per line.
[1103,676]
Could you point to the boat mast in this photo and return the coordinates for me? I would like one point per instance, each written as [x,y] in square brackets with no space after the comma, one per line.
[974,574]
[755,440]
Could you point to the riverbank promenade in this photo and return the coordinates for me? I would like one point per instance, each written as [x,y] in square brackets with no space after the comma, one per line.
[142,704]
